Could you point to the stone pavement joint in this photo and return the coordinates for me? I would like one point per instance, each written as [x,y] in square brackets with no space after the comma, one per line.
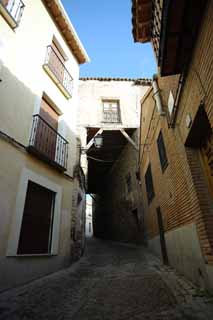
[112,281]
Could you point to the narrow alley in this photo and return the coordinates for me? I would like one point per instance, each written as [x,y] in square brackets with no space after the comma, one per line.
[112,281]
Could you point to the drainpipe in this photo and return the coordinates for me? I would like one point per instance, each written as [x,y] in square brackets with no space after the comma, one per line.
[156,95]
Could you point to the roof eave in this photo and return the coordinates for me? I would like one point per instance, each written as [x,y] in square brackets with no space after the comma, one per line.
[141,20]
[59,15]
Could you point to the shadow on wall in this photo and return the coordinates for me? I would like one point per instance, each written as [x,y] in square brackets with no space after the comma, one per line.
[118,212]
[123,226]
[17,105]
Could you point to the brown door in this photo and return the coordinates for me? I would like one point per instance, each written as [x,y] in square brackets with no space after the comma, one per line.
[162,237]
[207,159]
[46,133]
[35,235]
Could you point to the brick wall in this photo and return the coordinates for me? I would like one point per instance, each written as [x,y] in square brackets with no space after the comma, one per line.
[199,88]
[173,188]
[181,190]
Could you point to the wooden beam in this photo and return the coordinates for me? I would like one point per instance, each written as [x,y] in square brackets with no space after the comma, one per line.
[129,139]
[89,145]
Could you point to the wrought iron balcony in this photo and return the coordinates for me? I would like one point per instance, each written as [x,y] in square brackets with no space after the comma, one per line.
[111,117]
[47,144]
[56,69]
[12,11]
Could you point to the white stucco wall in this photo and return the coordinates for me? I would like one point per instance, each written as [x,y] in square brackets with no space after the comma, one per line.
[92,92]
[24,80]
[22,55]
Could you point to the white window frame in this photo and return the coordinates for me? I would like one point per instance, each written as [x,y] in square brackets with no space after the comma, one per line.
[15,230]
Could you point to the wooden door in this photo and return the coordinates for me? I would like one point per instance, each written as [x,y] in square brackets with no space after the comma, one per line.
[46,133]
[162,236]
[36,229]
[207,159]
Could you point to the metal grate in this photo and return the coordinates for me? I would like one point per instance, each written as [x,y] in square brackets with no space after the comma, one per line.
[48,143]
[111,112]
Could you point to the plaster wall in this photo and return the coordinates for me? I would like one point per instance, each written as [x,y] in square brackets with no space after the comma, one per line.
[93,92]
[22,55]
[24,80]
[19,269]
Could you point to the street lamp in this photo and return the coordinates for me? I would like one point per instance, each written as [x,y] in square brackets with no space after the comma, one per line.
[98,141]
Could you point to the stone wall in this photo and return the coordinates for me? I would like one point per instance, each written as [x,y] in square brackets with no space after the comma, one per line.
[118,213]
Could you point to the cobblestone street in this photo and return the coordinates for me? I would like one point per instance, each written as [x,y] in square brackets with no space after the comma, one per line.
[111,282]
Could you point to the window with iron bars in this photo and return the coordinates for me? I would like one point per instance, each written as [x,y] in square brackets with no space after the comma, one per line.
[111,111]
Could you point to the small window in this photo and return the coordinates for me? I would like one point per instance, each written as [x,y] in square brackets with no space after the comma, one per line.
[149,184]
[129,182]
[111,111]
[162,152]
[36,229]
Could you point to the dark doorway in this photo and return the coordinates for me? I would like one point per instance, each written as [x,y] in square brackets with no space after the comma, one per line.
[36,229]
[162,237]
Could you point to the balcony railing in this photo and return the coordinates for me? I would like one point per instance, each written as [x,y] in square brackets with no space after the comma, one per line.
[12,10]
[111,117]
[58,72]
[48,144]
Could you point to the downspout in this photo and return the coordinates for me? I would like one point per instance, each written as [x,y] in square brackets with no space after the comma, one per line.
[156,95]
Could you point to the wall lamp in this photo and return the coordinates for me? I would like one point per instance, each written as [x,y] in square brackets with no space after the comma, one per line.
[98,141]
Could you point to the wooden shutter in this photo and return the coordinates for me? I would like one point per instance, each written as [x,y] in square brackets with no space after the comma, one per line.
[49,114]
[57,62]
[46,132]
[35,235]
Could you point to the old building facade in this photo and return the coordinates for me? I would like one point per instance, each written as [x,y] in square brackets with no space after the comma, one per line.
[176,138]
[111,108]
[39,163]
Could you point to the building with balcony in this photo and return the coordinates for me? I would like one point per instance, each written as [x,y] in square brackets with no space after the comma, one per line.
[176,134]
[109,108]
[42,189]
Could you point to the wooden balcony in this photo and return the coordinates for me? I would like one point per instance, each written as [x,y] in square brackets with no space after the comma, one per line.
[58,72]
[47,144]
[12,11]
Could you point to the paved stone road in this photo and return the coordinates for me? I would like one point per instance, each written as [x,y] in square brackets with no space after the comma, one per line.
[112,282]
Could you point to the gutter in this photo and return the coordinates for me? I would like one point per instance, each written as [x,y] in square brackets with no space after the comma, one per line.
[156,95]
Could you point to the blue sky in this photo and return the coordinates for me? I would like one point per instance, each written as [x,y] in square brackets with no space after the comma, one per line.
[105,30]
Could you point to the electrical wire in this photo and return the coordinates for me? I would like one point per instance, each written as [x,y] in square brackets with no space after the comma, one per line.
[100,160]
